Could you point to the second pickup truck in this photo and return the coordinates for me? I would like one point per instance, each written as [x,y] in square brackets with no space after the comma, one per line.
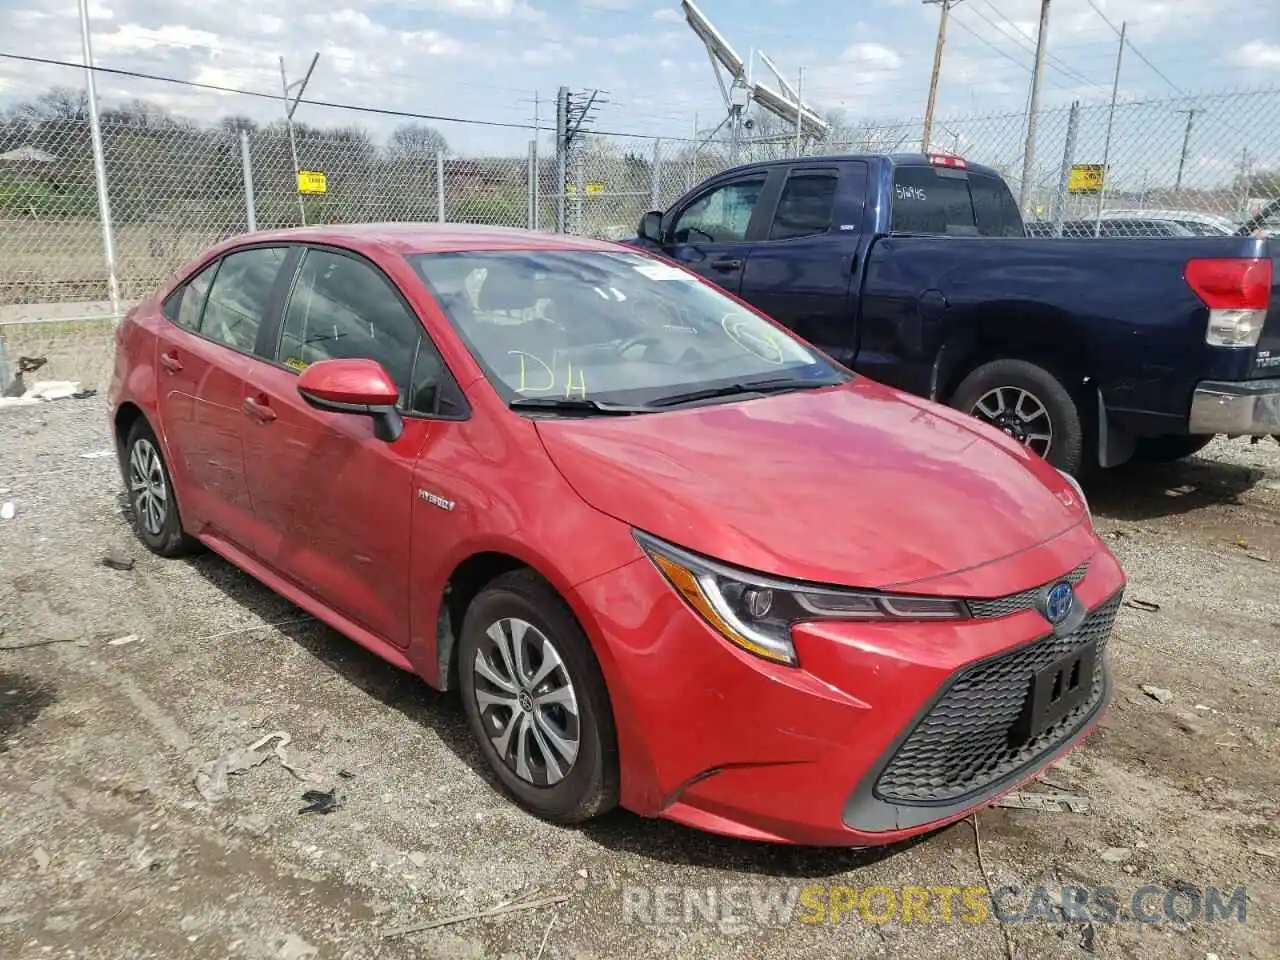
[916,270]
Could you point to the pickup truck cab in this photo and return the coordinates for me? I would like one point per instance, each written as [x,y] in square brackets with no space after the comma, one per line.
[917,271]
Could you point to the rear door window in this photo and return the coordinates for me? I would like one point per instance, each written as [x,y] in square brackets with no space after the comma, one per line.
[804,209]
[953,203]
[185,304]
[238,300]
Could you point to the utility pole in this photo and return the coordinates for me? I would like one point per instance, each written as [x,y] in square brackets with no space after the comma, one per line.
[289,107]
[1033,107]
[1186,145]
[946,6]
[572,113]
[1111,116]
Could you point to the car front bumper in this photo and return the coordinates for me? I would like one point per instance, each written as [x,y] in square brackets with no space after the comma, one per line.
[883,732]
[1244,408]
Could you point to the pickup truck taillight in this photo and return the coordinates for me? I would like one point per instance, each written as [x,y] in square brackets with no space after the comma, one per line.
[1237,293]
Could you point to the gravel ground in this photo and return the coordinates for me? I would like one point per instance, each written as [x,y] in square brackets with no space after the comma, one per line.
[107,849]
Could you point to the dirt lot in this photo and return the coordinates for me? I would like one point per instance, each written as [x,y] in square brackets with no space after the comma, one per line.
[107,849]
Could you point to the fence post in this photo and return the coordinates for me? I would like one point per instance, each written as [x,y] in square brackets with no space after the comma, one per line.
[246,164]
[580,189]
[440,185]
[1064,176]
[99,165]
[562,147]
[655,176]
[531,190]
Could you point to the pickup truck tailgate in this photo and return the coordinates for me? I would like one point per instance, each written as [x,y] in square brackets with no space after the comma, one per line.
[1266,359]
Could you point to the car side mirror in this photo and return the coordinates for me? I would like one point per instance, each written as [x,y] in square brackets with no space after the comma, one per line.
[356,386]
[651,226]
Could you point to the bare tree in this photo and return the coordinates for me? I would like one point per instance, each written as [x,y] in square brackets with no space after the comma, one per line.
[415,141]
[56,103]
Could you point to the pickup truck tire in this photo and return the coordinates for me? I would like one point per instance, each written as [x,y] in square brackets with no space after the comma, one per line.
[1168,449]
[1029,404]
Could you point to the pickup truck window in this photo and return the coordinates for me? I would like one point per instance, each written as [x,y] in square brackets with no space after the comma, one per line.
[950,203]
[720,216]
[805,207]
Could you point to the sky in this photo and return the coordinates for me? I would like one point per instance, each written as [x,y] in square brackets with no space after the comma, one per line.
[490,60]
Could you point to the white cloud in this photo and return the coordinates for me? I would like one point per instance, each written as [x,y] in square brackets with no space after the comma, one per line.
[132,38]
[474,9]
[668,15]
[1257,54]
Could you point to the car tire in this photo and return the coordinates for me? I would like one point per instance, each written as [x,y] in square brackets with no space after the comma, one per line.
[1168,449]
[538,717]
[1020,398]
[156,518]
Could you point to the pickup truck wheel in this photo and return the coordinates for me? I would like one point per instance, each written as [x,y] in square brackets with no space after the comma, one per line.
[1029,404]
[1168,449]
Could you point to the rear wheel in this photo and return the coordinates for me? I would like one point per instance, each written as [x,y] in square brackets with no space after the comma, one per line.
[1169,448]
[536,702]
[1029,404]
[156,519]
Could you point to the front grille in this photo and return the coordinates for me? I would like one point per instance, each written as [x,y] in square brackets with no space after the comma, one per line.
[967,740]
[1017,602]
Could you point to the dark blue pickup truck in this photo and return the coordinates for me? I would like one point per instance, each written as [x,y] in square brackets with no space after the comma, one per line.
[917,271]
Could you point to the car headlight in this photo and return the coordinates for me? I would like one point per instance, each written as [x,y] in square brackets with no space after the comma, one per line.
[1075,485]
[756,612]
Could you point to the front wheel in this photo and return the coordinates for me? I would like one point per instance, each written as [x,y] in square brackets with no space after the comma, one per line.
[1029,404]
[536,702]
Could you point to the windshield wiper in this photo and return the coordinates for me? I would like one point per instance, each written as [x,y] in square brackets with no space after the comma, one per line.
[772,385]
[579,405]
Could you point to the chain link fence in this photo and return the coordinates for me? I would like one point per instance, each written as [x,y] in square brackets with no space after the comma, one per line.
[1206,164]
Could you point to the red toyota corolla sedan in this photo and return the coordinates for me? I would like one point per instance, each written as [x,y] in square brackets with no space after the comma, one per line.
[672,556]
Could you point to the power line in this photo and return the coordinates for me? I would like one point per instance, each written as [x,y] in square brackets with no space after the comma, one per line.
[983,40]
[1056,62]
[1136,52]
[355,108]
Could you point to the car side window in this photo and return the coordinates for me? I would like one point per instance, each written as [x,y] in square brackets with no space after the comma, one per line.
[343,308]
[720,216]
[240,295]
[183,306]
[804,209]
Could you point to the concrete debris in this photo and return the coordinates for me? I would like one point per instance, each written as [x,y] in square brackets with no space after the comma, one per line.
[117,560]
[295,948]
[1044,802]
[211,779]
[1158,694]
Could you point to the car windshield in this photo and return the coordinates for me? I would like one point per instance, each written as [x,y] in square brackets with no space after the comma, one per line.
[610,327]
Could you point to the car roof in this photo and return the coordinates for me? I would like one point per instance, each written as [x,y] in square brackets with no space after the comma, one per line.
[410,238]
[895,159]
[1190,216]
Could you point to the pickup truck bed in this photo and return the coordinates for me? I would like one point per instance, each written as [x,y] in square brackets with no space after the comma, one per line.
[917,272]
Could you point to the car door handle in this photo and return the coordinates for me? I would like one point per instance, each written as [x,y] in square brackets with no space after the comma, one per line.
[259,410]
[726,264]
[170,361]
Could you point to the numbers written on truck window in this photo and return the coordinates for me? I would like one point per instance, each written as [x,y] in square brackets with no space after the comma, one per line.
[905,192]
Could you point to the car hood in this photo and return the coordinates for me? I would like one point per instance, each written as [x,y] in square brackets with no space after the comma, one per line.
[858,485]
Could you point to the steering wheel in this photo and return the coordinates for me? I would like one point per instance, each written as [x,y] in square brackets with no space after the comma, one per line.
[647,340]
